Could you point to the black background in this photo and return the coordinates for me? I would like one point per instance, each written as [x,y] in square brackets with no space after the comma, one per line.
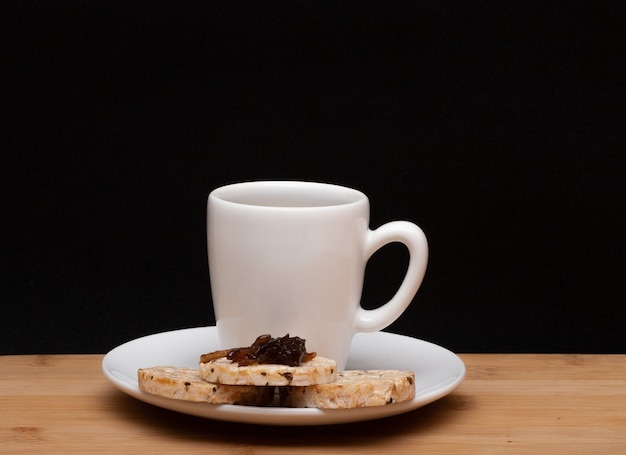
[498,128]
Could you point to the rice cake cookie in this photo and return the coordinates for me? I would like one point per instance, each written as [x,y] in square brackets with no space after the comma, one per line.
[353,389]
[320,370]
[186,384]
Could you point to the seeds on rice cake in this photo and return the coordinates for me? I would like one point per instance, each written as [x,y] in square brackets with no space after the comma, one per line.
[353,389]
[186,384]
[319,370]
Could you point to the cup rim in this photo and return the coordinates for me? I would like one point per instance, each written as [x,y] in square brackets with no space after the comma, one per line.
[276,194]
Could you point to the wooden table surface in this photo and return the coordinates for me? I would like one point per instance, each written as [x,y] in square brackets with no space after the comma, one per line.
[530,404]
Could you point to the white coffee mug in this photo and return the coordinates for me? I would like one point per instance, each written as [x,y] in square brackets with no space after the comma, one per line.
[290,257]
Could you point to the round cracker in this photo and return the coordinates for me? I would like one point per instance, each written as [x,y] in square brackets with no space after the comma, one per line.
[353,389]
[186,384]
[320,370]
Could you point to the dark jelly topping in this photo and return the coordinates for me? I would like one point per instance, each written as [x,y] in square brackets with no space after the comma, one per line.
[265,350]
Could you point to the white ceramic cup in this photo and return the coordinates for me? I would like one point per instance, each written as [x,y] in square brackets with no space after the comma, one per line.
[290,257]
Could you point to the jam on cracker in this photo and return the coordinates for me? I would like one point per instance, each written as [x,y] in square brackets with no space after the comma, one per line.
[266,350]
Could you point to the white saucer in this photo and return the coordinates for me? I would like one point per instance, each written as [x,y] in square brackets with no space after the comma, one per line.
[437,373]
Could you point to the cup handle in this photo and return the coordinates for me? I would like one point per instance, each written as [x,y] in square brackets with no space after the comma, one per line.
[415,241]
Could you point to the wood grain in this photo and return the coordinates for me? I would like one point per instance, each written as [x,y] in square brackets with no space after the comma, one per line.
[513,404]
